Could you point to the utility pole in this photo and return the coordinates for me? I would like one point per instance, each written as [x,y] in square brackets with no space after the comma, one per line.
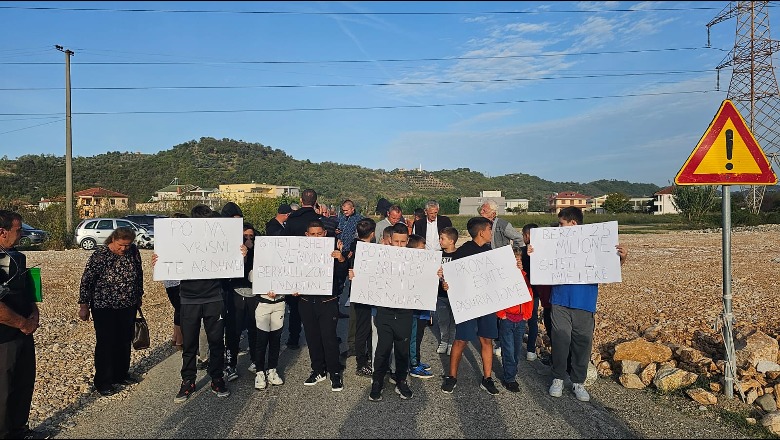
[68,149]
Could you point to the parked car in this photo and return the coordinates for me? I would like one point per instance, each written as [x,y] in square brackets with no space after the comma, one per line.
[145,220]
[32,236]
[93,232]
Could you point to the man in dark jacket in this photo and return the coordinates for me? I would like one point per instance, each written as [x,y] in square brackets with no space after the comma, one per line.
[275,226]
[19,318]
[430,226]
[297,224]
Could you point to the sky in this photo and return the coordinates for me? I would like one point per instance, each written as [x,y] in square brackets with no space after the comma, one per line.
[566,91]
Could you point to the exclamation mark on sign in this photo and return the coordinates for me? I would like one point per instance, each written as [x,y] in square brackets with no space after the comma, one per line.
[729,148]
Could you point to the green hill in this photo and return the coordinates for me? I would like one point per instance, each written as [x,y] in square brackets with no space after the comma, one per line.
[210,162]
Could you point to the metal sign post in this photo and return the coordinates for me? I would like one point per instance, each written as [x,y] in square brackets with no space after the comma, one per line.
[730,367]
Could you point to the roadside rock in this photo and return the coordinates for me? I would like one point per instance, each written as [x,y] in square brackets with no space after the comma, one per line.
[648,373]
[632,381]
[642,351]
[767,403]
[702,396]
[755,347]
[670,379]
[771,422]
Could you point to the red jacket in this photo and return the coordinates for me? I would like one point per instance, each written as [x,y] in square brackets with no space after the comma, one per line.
[525,310]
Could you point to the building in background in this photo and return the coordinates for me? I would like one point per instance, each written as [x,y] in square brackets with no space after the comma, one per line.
[517,205]
[242,192]
[95,202]
[470,205]
[664,201]
[179,197]
[566,199]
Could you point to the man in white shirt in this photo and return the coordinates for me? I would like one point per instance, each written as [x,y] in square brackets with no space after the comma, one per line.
[430,226]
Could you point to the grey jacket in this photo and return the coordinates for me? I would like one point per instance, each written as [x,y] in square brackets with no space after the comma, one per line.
[504,233]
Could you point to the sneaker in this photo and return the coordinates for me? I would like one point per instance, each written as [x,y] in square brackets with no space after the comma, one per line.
[513,386]
[260,382]
[273,377]
[391,377]
[187,388]
[530,356]
[488,385]
[556,389]
[403,390]
[425,366]
[449,384]
[202,365]
[252,368]
[442,348]
[219,388]
[376,392]
[497,351]
[314,378]
[580,392]
[449,349]
[336,382]
[231,374]
[420,372]
[364,371]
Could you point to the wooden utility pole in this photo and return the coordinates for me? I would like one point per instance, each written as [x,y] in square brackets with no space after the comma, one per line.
[68,149]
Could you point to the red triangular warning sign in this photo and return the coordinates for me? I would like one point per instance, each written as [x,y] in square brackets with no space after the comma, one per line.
[727,154]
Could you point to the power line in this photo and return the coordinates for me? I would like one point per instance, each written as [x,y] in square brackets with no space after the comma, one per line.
[33,126]
[389,84]
[382,107]
[445,13]
[389,60]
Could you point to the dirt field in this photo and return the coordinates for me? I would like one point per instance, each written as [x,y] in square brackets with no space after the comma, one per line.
[670,279]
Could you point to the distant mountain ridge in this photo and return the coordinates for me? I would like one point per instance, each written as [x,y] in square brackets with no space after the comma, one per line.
[210,162]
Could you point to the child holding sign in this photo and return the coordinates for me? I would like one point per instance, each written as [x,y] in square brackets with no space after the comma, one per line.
[484,327]
[573,311]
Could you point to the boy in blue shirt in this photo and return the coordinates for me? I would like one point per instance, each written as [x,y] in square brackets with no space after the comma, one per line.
[573,311]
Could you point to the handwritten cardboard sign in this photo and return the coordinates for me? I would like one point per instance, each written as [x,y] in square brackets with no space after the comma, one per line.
[582,254]
[288,265]
[390,276]
[484,283]
[198,248]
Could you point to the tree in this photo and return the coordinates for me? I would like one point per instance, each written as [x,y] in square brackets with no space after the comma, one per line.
[616,202]
[694,201]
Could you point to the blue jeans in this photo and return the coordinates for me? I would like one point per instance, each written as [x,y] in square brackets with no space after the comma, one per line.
[511,337]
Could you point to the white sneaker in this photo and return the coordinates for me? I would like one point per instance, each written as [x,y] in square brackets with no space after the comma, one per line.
[252,368]
[442,348]
[260,381]
[449,349]
[530,356]
[497,351]
[556,389]
[580,392]
[273,377]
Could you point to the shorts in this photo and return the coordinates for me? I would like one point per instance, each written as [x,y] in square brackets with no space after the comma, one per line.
[483,327]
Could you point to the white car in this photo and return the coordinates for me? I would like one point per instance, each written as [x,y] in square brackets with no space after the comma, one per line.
[93,232]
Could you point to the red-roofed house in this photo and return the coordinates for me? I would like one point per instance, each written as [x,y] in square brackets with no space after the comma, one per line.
[94,202]
[565,199]
[663,201]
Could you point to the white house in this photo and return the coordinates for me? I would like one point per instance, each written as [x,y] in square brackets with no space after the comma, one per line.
[663,201]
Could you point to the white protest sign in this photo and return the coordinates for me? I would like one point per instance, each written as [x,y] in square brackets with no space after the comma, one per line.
[293,265]
[198,248]
[484,283]
[391,276]
[583,254]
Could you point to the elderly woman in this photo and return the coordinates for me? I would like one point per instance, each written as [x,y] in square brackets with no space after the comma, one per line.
[111,288]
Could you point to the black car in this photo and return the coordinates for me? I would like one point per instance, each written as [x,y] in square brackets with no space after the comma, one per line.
[32,236]
[145,220]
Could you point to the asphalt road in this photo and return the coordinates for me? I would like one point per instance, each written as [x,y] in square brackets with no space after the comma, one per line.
[293,410]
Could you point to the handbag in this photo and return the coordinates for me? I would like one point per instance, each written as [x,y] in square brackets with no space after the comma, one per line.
[141,334]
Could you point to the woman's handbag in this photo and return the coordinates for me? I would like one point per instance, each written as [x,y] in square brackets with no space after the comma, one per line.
[141,335]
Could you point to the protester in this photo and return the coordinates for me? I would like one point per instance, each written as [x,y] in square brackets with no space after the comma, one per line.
[111,289]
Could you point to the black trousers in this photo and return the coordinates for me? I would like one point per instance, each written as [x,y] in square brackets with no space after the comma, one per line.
[320,316]
[212,316]
[17,381]
[239,316]
[173,297]
[394,330]
[294,325]
[267,342]
[363,347]
[114,329]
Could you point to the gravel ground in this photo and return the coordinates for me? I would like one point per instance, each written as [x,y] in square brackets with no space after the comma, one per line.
[673,280]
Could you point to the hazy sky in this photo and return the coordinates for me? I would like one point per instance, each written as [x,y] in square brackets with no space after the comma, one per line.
[567,91]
